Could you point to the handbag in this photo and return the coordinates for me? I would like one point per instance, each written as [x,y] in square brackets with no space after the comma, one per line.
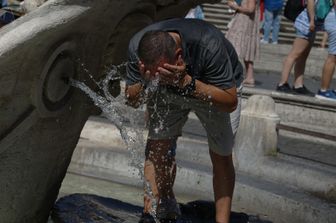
[293,8]
[322,8]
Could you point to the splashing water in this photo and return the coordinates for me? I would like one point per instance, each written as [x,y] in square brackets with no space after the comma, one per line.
[116,111]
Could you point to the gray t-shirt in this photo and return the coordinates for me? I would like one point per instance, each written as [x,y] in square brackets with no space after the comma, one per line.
[209,56]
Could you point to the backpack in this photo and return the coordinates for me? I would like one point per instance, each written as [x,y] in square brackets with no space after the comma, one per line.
[322,8]
[293,8]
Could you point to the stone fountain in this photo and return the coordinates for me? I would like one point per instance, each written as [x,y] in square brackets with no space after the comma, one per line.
[41,116]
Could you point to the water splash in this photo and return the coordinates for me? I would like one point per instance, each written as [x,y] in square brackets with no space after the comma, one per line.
[122,116]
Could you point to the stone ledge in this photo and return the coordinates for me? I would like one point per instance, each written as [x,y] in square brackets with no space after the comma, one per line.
[278,201]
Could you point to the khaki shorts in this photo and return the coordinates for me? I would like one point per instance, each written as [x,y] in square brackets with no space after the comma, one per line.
[168,112]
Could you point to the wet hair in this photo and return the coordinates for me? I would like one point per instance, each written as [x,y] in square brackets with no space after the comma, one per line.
[155,46]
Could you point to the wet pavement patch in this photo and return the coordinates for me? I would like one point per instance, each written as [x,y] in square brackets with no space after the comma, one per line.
[85,208]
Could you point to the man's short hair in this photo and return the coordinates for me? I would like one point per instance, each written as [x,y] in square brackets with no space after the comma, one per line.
[155,46]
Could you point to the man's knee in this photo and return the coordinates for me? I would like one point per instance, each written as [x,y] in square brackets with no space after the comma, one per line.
[166,147]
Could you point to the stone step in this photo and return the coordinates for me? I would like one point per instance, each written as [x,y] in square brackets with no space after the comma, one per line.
[192,148]
[252,194]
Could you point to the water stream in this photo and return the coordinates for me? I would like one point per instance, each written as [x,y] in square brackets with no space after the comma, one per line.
[124,117]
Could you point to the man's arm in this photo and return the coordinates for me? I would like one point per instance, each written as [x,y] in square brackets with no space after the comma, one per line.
[134,94]
[224,99]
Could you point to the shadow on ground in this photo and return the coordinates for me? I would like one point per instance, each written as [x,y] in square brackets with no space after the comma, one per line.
[79,208]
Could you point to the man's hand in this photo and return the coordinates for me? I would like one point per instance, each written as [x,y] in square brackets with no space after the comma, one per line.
[173,74]
[133,95]
[145,73]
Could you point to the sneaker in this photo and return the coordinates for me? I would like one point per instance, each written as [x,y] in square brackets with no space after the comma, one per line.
[168,209]
[262,41]
[275,43]
[147,218]
[284,88]
[326,95]
[303,91]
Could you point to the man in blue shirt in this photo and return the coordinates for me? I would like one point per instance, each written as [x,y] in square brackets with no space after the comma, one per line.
[273,10]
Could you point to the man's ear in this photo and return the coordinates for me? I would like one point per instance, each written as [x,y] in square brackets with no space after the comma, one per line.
[178,54]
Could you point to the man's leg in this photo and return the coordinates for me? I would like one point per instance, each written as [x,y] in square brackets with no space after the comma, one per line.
[223,185]
[160,172]
[328,71]
[221,128]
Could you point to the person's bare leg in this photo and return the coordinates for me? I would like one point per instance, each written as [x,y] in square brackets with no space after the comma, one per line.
[328,71]
[300,45]
[249,79]
[223,185]
[159,171]
[300,65]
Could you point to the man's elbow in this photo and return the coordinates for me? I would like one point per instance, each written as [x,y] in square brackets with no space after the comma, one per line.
[233,105]
[229,106]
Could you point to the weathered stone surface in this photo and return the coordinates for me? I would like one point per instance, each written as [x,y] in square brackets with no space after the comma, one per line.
[257,135]
[40,116]
[30,5]
[256,152]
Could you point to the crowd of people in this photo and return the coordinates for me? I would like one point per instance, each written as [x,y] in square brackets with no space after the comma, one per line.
[244,35]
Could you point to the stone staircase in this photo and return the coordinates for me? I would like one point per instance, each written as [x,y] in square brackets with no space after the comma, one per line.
[219,15]
[101,154]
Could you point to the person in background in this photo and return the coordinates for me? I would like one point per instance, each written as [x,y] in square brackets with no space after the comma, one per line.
[3,3]
[299,53]
[243,33]
[329,66]
[261,19]
[272,20]
[5,16]
[195,13]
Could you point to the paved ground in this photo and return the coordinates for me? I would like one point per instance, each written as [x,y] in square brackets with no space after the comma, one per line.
[269,80]
[74,183]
